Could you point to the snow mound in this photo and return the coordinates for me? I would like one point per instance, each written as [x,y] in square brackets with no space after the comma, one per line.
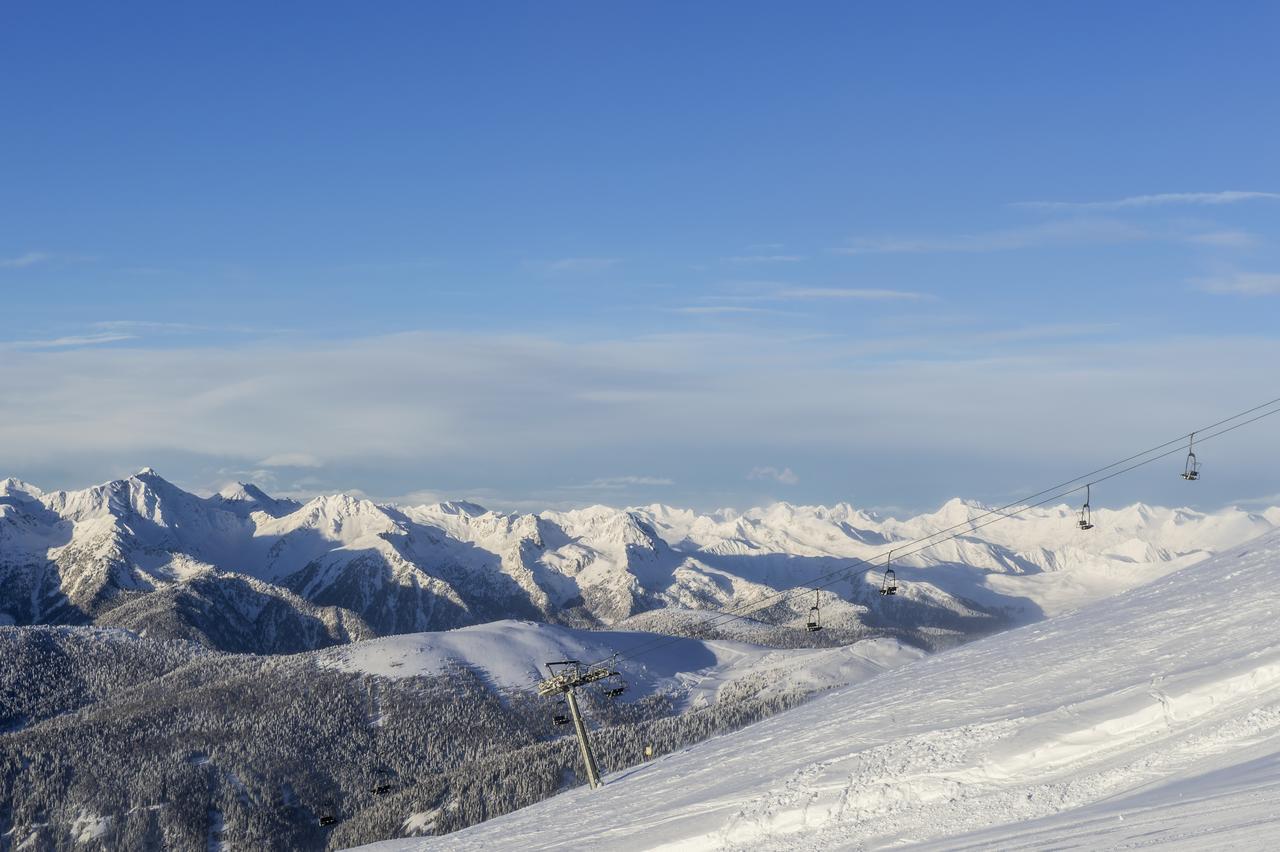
[1150,716]
[512,654]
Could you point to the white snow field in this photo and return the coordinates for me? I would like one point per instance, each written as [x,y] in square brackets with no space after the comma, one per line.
[511,654]
[1148,719]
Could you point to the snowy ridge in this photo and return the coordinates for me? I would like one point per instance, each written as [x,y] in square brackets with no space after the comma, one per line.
[75,556]
[1160,701]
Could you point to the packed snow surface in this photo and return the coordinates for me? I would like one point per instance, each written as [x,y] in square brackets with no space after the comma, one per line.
[511,655]
[1152,718]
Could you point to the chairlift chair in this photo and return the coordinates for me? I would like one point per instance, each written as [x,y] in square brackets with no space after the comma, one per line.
[615,685]
[561,718]
[815,617]
[889,582]
[1086,514]
[1191,471]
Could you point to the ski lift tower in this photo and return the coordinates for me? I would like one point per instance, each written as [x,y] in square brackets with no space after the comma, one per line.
[567,676]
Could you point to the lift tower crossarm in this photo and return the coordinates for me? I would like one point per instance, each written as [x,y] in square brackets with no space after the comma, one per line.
[569,676]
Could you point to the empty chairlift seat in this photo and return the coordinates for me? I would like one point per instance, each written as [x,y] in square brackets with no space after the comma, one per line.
[1086,513]
[1191,471]
[815,616]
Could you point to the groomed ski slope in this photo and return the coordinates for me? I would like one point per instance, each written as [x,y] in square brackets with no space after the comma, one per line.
[1152,718]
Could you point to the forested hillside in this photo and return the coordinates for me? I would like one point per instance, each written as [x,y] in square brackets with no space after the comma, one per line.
[149,744]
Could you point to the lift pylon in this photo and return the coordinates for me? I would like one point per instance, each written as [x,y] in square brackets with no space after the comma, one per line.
[567,676]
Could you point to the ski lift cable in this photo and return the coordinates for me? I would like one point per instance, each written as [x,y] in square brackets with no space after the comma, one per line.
[846,572]
[923,544]
[927,542]
[843,573]
[1022,502]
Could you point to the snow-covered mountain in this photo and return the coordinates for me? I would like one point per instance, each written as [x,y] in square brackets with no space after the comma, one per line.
[143,553]
[1151,718]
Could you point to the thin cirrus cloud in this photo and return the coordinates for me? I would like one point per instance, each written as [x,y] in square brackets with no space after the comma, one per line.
[73,341]
[1156,200]
[851,293]
[784,476]
[117,331]
[306,460]
[1224,239]
[764,258]
[618,483]
[150,328]
[1242,284]
[801,294]
[576,265]
[1007,239]
[22,261]
[714,310]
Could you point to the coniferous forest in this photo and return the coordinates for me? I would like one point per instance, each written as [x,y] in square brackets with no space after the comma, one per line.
[120,742]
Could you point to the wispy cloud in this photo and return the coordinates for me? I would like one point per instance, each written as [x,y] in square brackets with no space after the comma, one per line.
[1265,500]
[72,341]
[720,309]
[291,460]
[1008,239]
[785,475]
[576,265]
[139,328]
[1242,284]
[618,483]
[1224,239]
[764,258]
[1157,200]
[31,258]
[1048,331]
[420,497]
[852,293]
[147,325]
[779,293]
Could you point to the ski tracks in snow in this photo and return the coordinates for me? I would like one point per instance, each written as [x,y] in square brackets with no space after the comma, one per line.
[950,782]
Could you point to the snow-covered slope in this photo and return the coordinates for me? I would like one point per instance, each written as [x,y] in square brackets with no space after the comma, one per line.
[73,556]
[510,655]
[1149,717]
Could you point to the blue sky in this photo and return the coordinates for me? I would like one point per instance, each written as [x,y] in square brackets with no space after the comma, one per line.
[704,254]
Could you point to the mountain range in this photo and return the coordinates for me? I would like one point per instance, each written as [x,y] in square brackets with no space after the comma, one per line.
[243,571]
